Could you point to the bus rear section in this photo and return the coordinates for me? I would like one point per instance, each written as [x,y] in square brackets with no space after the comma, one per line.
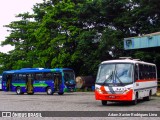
[119,80]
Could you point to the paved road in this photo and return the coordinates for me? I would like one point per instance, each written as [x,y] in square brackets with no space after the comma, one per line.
[77,101]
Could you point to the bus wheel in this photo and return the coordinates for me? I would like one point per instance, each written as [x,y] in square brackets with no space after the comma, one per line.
[134,102]
[60,93]
[49,91]
[18,91]
[104,102]
[148,98]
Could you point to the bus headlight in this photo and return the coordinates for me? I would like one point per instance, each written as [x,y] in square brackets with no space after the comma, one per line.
[127,90]
[101,91]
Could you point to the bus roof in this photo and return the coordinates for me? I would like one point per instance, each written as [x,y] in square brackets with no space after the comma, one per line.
[134,61]
[34,70]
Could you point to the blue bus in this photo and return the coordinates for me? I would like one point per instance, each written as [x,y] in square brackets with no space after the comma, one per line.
[31,80]
[0,82]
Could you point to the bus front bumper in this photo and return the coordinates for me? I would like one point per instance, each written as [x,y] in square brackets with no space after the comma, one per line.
[114,97]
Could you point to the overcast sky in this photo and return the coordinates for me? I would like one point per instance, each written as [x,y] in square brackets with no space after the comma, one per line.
[8,10]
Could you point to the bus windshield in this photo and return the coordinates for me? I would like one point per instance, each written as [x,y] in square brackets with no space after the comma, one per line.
[115,73]
[69,76]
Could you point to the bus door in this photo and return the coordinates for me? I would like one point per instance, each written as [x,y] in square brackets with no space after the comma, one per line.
[57,81]
[8,82]
[29,83]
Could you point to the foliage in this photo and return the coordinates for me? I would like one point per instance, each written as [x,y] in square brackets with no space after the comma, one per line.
[78,33]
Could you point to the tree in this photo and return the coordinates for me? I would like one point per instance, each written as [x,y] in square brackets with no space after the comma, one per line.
[78,34]
[22,38]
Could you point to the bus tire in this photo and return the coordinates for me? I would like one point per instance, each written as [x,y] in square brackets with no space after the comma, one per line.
[134,102]
[18,91]
[49,91]
[60,93]
[104,102]
[148,98]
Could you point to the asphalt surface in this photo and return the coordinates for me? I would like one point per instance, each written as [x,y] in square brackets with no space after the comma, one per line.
[77,102]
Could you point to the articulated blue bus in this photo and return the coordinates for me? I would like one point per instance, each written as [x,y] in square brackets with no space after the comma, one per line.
[31,80]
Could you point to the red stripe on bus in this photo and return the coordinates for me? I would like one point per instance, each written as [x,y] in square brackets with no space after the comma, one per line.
[114,97]
[146,80]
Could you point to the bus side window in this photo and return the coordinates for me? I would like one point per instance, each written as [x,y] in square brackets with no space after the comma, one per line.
[150,72]
[38,76]
[30,76]
[47,76]
[136,72]
[154,72]
[145,72]
[140,72]
[22,77]
[15,77]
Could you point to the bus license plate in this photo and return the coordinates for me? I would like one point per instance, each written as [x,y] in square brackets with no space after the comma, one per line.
[112,97]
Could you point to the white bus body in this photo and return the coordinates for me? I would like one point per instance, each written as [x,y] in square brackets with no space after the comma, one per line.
[125,80]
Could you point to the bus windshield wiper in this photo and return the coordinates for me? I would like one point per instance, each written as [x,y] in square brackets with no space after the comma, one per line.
[118,78]
[109,77]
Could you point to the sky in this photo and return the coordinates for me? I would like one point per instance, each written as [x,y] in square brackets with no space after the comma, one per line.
[8,10]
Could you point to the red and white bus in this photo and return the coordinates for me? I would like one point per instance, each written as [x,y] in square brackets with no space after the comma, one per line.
[125,80]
